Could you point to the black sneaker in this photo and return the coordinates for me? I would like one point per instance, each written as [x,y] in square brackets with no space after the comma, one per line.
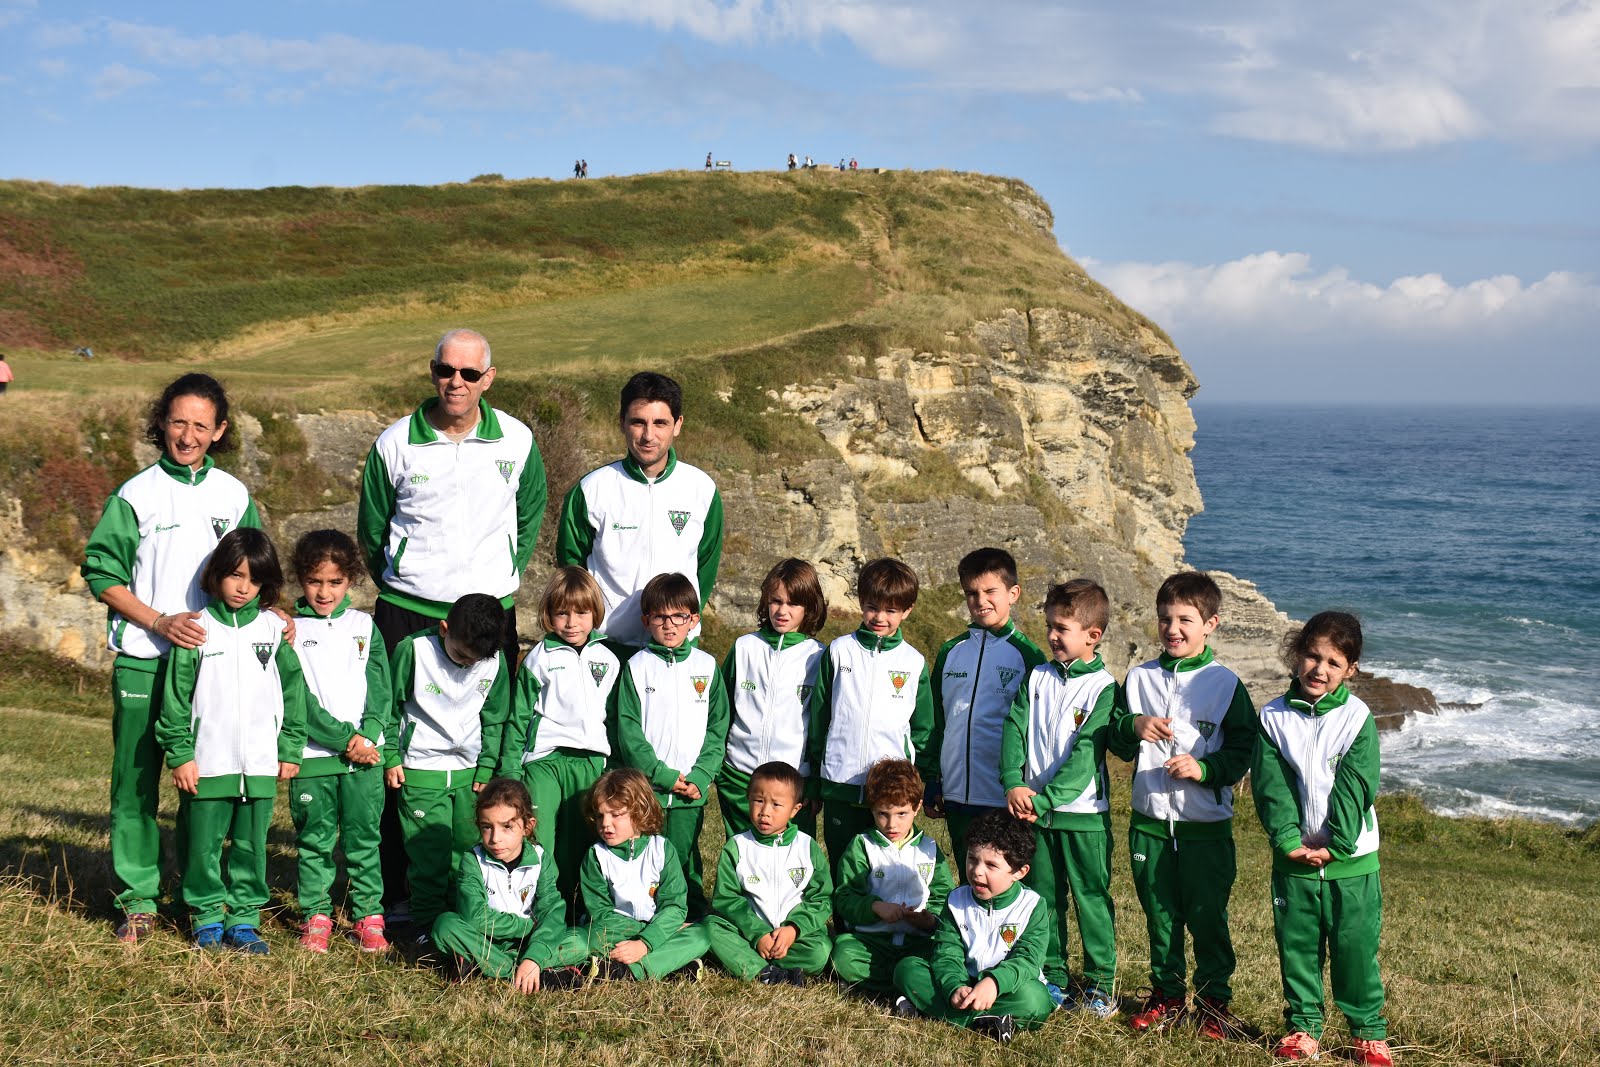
[1000,1027]
[794,976]
[561,978]
[608,970]
[904,1009]
[772,974]
[693,971]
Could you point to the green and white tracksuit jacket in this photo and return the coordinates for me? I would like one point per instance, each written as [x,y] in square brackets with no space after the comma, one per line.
[1002,939]
[1213,720]
[236,705]
[561,700]
[976,678]
[1055,743]
[766,881]
[635,890]
[912,873]
[512,907]
[872,702]
[154,537]
[626,529]
[347,671]
[449,719]
[672,719]
[438,520]
[769,678]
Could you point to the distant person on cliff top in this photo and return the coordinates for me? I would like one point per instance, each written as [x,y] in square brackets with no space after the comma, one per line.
[577,168]
[792,163]
[646,514]
[583,168]
[5,373]
[708,161]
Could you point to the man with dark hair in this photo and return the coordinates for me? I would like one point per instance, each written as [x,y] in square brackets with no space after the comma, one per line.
[645,514]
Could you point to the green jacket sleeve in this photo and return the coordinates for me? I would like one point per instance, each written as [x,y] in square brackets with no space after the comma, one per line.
[1026,958]
[939,889]
[377,715]
[672,901]
[1083,762]
[373,512]
[634,749]
[1355,787]
[574,536]
[402,672]
[174,729]
[521,726]
[1272,787]
[710,554]
[549,921]
[820,716]
[925,739]
[715,747]
[298,705]
[810,916]
[492,723]
[728,899]
[949,963]
[251,519]
[853,896]
[472,902]
[530,505]
[1014,737]
[1120,738]
[1229,763]
[113,546]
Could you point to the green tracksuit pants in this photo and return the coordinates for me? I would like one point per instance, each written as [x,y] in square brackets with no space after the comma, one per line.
[136,784]
[1029,1004]
[436,822]
[733,798]
[1184,884]
[959,818]
[558,783]
[497,957]
[841,822]
[682,828]
[226,885]
[343,810]
[690,943]
[869,960]
[740,958]
[1337,919]
[1077,863]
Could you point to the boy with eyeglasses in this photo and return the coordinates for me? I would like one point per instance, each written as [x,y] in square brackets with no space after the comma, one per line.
[671,720]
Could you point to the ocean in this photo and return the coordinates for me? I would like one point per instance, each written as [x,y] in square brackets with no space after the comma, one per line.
[1466,541]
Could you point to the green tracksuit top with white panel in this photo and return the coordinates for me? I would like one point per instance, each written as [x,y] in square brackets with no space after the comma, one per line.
[912,873]
[347,672]
[439,519]
[769,678]
[1213,720]
[447,717]
[236,705]
[872,702]
[976,677]
[1055,743]
[635,890]
[1315,778]
[154,537]
[672,719]
[1003,939]
[766,881]
[510,902]
[561,699]
[626,528]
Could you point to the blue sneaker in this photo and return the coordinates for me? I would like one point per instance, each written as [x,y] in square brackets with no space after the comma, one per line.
[245,939]
[1097,1001]
[1058,996]
[208,936]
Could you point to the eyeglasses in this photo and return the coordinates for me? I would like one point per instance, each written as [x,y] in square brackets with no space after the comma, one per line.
[444,372]
[679,619]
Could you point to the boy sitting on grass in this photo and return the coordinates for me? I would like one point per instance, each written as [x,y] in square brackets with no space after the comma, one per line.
[769,911]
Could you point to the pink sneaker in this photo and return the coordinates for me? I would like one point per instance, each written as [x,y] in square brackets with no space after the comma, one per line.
[315,933]
[368,934]
[1370,1052]
[1297,1046]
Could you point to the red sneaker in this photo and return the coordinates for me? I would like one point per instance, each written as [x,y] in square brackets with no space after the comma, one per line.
[135,927]
[1217,1023]
[315,933]
[369,934]
[1160,1012]
[1297,1046]
[1370,1052]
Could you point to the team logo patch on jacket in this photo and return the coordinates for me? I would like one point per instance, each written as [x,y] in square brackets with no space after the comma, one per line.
[679,520]
[803,692]
[653,887]
[263,652]
[1206,729]
[700,683]
[597,671]
[1007,676]
[361,648]
[505,467]
[797,875]
[1333,763]
[1078,715]
[526,891]
[1008,933]
[219,526]
[925,871]
[898,680]
[483,686]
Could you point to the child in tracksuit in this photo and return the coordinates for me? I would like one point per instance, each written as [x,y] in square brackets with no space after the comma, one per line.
[769,676]
[451,700]
[976,677]
[769,917]
[893,883]
[672,720]
[1053,764]
[1190,726]
[506,918]
[872,702]
[232,725]
[990,943]
[558,738]
[1315,776]
[337,798]
[633,887]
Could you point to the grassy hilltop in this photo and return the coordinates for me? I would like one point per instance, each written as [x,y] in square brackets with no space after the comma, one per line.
[312,299]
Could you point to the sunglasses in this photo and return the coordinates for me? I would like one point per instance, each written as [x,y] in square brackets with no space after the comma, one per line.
[444,372]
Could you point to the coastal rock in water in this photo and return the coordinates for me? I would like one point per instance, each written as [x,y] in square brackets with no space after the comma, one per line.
[1392,702]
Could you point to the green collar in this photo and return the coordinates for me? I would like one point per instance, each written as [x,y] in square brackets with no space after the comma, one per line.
[1193,663]
[552,642]
[631,467]
[226,615]
[182,473]
[1003,631]
[1078,668]
[629,849]
[782,837]
[912,838]
[779,642]
[1330,701]
[1002,900]
[529,856]
[671,655]
[301,607]
[875,643]
[422,431]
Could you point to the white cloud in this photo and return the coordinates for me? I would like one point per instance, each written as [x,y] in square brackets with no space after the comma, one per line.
[116,79]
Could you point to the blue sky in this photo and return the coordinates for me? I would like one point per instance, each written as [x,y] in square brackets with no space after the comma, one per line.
[1320,202]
